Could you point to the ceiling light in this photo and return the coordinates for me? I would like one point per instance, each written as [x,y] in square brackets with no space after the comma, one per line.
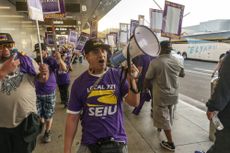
[11,16]
[21,22]
[4,7]
[69,17]
[8,29]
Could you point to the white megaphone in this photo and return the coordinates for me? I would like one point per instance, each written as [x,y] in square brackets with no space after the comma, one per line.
[143,41]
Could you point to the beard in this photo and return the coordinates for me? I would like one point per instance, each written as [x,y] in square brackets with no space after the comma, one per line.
[4,58]
[38,59]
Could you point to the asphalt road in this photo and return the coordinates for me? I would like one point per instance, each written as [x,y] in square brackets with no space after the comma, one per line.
[196,85]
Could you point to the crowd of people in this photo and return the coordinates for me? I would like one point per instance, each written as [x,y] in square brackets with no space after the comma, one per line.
[28,97]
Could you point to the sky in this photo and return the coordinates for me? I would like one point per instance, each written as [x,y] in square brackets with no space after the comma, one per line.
[197,10]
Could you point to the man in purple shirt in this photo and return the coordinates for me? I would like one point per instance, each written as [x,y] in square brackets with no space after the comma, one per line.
[46,95]
[63,77]
[142,63]
[96,99]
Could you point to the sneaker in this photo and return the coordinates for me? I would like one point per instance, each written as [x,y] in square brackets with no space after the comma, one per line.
[168,146]
[47,137]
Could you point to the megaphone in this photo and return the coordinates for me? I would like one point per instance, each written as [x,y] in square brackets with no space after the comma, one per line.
[143,41]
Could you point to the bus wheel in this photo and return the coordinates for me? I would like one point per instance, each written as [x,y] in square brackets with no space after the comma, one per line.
[184,55]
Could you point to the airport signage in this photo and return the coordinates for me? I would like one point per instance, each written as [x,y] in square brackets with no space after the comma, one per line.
[60,30]
[60,22]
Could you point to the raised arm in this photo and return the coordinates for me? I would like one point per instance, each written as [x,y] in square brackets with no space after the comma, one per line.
[8,66]
[60,62]
[133,97]
[43,76]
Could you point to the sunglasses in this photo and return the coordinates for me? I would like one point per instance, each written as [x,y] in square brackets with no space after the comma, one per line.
[10,45]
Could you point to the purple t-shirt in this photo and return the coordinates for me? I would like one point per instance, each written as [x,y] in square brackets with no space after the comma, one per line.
[50,85]
[26,65]
[143,61]
[63,77]
[102,107]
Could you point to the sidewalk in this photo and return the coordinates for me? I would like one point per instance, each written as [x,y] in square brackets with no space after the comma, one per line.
[190,130]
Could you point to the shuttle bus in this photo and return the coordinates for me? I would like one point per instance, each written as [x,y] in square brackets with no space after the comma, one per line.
[206,47]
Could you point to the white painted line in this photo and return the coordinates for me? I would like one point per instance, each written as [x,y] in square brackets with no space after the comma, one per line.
[191,106]
[190,99]
[205,70]
[196,72]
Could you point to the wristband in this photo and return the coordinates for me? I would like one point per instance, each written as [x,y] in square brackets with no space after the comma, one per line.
[133,90]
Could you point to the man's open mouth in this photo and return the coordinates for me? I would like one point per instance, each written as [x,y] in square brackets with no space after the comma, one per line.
[101,61]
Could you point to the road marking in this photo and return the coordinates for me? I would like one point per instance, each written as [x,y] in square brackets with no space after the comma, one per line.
[191,106]
[196,72]
[205,70]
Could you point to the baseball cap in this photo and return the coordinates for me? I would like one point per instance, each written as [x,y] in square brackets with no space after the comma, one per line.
[166,45]
[5,38]
[94,43]
[36,47]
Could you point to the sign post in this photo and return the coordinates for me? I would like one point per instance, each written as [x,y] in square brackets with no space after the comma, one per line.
[35,13]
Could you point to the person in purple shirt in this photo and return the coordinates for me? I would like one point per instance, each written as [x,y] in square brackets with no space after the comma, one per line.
[63,77]
[142,63]
[18,132]
[46,94]
[96,100]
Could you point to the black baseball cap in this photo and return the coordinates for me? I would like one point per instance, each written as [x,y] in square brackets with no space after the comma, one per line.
[5,38]
[36,47]
[94,43]
[166,45]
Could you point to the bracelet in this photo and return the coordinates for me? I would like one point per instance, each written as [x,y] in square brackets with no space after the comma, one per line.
[133,90]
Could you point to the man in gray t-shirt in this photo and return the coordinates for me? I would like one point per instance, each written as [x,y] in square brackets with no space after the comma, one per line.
[164,72]
[18,130]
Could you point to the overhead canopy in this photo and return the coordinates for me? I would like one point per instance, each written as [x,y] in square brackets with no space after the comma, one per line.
[83,10]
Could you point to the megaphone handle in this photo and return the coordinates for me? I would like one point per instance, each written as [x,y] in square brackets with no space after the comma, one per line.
[130,72]
[129,64]
[136,91]
[128,59]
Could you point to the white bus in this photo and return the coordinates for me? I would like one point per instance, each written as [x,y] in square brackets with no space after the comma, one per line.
[206,47]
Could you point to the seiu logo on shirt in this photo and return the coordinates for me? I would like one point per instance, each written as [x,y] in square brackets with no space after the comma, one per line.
[102,101]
